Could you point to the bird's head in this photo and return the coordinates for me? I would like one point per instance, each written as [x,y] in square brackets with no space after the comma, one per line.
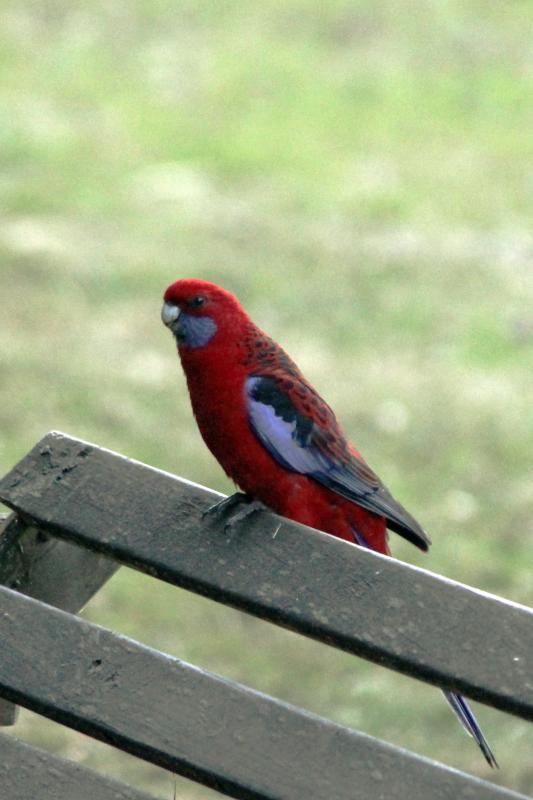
[195,311]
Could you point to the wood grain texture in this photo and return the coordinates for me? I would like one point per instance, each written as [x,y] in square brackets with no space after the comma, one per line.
[400,616]
[27,772]
[58,572]
[214,731]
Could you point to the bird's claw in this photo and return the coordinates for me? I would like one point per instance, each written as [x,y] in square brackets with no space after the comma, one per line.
[248,506]
[226,504]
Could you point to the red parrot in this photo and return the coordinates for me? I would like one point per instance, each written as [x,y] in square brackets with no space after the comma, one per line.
[276,438]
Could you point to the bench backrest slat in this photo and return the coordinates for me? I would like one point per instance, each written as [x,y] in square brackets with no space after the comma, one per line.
[211,730]
[400,616]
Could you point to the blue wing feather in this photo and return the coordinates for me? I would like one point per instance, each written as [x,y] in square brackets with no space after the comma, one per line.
[298,443]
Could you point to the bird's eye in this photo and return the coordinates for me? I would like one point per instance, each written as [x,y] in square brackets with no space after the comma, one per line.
[197,301]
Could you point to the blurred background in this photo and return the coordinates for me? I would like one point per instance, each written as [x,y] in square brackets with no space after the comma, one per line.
[361,175]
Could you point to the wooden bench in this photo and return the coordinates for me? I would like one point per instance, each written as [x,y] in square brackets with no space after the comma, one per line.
[80,511]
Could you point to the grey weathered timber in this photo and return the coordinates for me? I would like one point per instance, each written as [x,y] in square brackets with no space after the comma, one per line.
[8,712]
[59,573]
[26,772]
[212,730]
[400,616]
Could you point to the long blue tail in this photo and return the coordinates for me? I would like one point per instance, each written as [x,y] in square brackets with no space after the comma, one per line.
[457,701]
[469,723]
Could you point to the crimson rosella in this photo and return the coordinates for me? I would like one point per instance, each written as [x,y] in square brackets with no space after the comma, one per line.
[276,438]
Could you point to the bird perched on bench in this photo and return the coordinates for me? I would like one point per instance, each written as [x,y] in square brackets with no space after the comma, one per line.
[276,438]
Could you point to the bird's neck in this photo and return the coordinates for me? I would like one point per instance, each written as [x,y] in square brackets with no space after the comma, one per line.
[222,366]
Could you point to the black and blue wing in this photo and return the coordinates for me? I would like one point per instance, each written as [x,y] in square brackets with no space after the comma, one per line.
[302,434]
[283,415]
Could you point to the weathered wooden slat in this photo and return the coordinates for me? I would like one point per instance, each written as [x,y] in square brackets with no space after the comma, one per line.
[400,616]
[212,730]
[42,566]
[26,772]
[8,712]
[59,573]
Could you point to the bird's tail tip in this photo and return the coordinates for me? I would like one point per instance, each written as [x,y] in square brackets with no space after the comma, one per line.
[470,724]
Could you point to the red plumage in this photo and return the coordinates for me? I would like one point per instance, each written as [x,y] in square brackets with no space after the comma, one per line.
[276,437]
[216,375]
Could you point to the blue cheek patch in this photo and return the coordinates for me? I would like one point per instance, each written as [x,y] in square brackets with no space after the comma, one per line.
[196,331]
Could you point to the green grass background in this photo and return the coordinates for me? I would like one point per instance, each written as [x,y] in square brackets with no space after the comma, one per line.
[361,175]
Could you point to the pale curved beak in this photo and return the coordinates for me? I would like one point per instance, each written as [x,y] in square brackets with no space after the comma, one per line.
[169,313]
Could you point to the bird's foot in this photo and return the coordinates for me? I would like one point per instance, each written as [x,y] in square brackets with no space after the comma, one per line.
[226,504]
[251,507]
[248,506]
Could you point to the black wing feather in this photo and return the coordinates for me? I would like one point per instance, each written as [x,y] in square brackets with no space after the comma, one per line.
[297,442]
